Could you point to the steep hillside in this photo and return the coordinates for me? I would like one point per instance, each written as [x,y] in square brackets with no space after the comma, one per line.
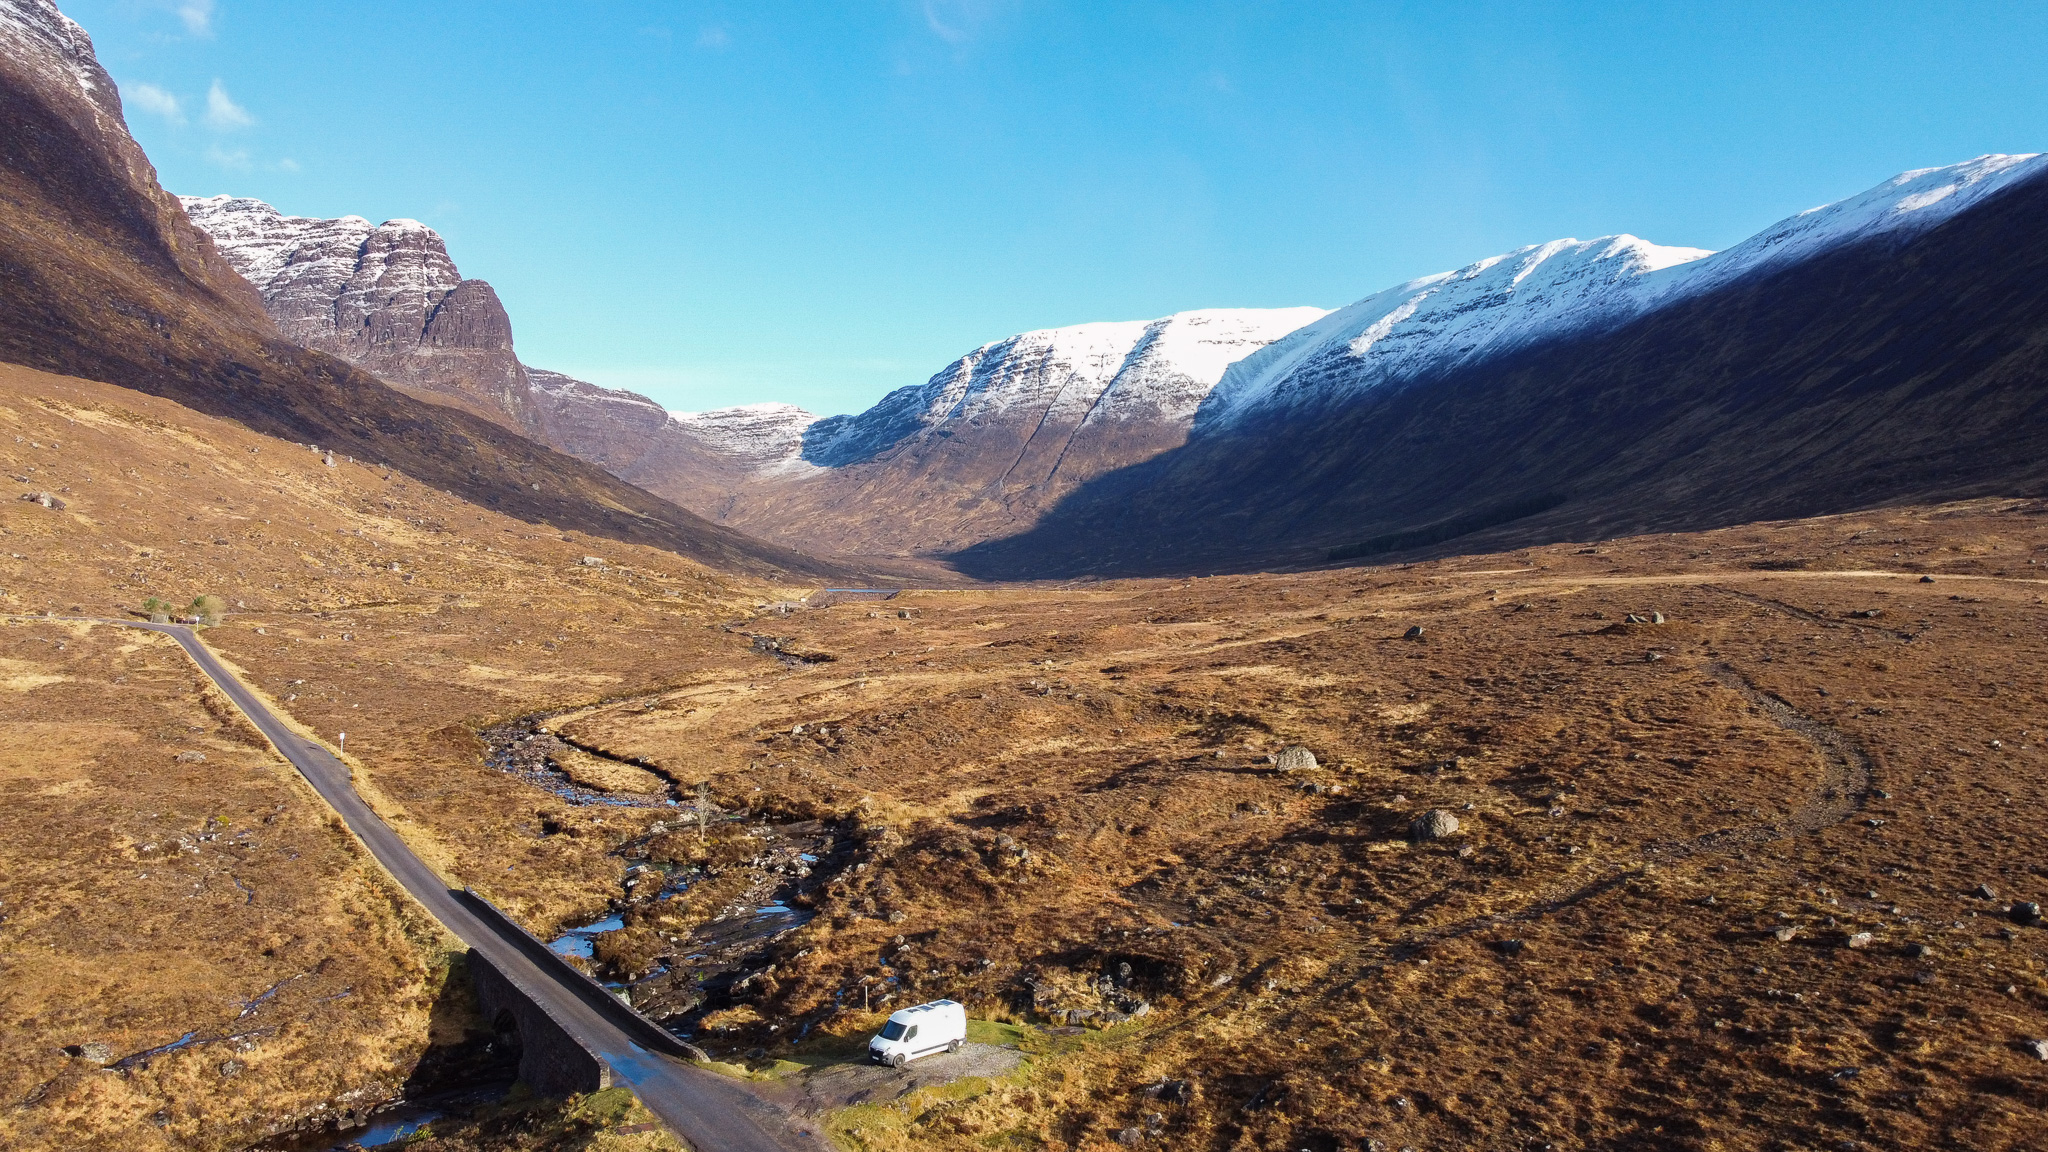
[1893,348]
[102,276]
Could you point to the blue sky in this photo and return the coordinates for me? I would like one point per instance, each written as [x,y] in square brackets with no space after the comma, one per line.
[716,203]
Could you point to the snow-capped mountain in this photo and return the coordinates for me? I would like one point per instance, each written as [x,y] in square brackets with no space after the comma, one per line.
[35,29]
[766,439]
[107,279]
[385,297]
[1886,347]
[1071,378]
[1566,288]
[1013,431]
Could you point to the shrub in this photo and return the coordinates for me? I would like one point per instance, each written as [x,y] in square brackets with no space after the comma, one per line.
[208,609]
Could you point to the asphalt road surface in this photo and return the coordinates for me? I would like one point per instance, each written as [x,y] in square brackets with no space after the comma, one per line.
[713,1113]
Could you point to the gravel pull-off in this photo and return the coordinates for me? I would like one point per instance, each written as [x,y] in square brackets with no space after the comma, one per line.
[1294,758]
[1434,824]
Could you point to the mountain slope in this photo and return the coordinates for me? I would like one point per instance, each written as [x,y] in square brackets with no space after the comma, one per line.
[385,298]
[1877,352]
[977,451]
[103,277]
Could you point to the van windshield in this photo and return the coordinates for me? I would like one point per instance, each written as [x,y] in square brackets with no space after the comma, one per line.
[893,1030]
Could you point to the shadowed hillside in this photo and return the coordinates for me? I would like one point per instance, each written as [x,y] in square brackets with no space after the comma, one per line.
[1878,373]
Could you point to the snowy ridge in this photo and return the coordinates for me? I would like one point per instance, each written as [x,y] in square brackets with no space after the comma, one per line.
[1439,323]
[324,281]
[1904,205]
[767,438]
[1079,375]
[36,27]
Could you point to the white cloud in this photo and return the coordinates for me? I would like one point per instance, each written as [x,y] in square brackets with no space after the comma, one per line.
[950,33]
[714,36]
[235,161]
[959,22]
[197,15]
[288,165]
[222,113]
[156,102]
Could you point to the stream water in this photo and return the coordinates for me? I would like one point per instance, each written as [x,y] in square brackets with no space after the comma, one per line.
[703,966]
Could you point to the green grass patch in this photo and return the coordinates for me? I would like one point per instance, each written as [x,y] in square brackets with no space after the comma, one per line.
[997,1032]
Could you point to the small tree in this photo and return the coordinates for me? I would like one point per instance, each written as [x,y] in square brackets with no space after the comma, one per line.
[208,609]
[157,609]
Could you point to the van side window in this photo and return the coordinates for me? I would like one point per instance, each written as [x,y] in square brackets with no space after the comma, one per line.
[911,1033]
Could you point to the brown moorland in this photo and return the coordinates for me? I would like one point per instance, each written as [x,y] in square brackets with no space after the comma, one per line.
[1724,802]
[1018,791]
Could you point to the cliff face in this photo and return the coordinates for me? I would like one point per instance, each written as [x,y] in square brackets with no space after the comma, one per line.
[102,276]
[384,297]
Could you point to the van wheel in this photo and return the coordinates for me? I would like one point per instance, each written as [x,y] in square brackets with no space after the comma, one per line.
[897,1060]
[954,1046]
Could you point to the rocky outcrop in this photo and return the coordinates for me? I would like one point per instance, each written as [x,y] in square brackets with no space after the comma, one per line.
[383,297]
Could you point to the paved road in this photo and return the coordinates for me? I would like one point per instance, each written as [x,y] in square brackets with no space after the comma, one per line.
[712,1112]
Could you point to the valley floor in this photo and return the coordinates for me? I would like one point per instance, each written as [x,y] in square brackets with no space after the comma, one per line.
[1714,881]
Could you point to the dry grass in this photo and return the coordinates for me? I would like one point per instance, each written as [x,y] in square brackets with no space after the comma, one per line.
[148,894]
[1046,785]
[1035,786]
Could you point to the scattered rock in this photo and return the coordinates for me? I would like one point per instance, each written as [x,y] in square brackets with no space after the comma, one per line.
[1987,892]
[1858,940]
[1786,934]
[230,1068]
[592,561]
[43,498]
[1413,633]
[1927,579]
[1171,1091]
[1130,1137]
[1868,614]
[898,916]
[97,1051]
[1434,824]
[2038,1049]
[1652,657]
[1294,758]
[1632,618]
[1509,947]
[191,757]
[2025,913]
[1919,951]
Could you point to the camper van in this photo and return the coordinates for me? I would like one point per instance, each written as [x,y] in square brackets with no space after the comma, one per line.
[940,1026]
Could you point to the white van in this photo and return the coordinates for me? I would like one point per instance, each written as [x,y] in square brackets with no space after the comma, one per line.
[940,1026]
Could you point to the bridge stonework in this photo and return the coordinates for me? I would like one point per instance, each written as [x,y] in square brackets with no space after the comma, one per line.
[551,1061]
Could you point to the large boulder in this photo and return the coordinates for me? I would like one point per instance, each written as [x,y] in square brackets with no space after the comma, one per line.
[1434,824]
[1294,758]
